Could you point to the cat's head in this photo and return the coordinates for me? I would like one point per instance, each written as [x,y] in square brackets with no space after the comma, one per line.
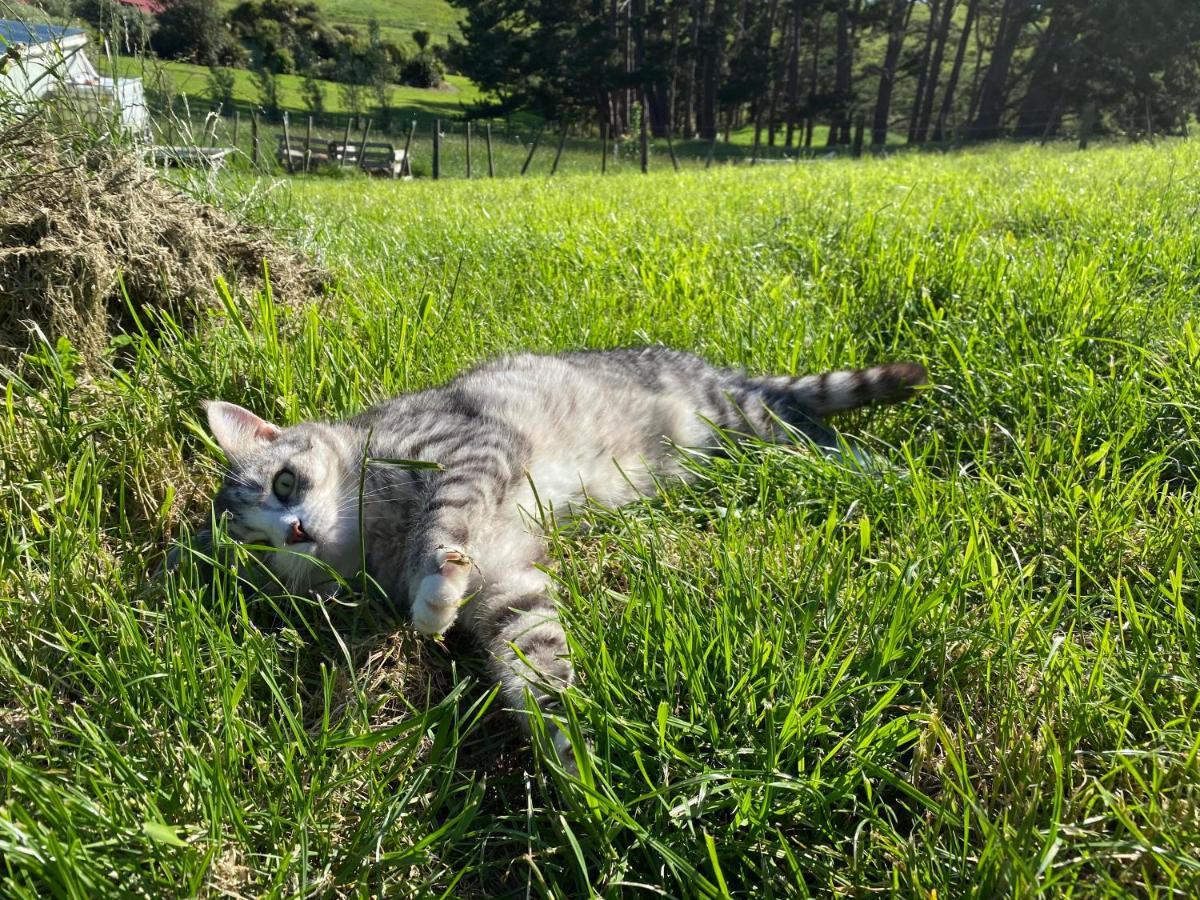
[294,489]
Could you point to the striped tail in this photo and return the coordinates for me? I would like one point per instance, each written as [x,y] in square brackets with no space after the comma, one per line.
[835,392]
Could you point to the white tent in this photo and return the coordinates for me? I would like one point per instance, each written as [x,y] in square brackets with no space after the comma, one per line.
[43,61]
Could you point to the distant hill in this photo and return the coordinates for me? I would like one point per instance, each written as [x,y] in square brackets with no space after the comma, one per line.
[398,18]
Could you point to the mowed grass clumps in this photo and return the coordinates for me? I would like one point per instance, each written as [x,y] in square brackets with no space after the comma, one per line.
[976,670]
[91,237]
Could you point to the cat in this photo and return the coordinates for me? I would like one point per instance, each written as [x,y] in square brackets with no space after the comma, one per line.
[513,438]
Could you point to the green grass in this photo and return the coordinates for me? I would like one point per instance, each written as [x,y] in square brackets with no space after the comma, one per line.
[176,79]
[976,673]
[400,18]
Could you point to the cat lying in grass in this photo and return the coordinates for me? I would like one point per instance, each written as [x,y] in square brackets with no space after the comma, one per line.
[458,543]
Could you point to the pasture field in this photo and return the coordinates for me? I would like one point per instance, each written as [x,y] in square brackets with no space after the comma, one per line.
[973,672]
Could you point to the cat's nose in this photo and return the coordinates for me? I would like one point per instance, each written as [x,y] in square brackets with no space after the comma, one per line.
[297,534]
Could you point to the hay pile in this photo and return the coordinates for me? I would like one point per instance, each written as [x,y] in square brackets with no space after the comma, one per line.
[77,219]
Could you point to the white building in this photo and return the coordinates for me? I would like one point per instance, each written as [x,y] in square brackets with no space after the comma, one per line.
[47,61]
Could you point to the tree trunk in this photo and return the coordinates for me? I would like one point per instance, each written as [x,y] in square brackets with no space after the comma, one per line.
[765,101]
[897,25]
[713,65]
[691,97]
[673,69]
[923,73]
[792,89]
[935,72]
[1039,110]
[993,96]
[939,131]
[842,75]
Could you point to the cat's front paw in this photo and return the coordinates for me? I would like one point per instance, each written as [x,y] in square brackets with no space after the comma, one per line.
[437,597]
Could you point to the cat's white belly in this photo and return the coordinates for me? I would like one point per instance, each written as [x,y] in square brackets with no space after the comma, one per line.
[562,482]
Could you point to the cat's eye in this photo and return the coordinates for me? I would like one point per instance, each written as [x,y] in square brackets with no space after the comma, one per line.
[284,484]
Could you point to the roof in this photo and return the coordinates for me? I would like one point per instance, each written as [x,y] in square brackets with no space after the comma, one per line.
[14,32]
[150,7]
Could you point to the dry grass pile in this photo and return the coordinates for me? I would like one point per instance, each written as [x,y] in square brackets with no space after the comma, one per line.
[83,225]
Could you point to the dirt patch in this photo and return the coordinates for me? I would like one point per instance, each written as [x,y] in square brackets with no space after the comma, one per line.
[83,225]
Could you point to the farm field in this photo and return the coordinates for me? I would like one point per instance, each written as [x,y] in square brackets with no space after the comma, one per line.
[974,671]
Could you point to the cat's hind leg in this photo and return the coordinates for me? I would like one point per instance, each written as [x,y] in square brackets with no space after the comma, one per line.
[516,618]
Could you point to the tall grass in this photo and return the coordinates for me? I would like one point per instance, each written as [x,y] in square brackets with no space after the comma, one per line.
[975,672]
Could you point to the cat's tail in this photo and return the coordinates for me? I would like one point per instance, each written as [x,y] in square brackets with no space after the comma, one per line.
[834,392]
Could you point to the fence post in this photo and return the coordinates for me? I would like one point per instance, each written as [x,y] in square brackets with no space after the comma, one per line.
[603,148]
[237,121]
[254,140]
[437,149]
[345,144]
[1087,121]
[408,143]
[532,149]
[487,133]
[362,149]
[757,140]
[712,150]
[562,140]
[308,147]
[287,145]
[671,150]
[468,149]
[644,138]
[860,126]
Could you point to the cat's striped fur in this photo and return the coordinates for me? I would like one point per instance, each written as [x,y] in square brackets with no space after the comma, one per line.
[523,433]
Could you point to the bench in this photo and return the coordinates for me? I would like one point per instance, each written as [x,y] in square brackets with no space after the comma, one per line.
[373,157]
[210,157]
[315,150]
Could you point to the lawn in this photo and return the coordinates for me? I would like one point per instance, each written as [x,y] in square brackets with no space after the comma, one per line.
[975,672]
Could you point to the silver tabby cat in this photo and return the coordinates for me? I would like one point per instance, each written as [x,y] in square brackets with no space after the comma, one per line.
[515,437]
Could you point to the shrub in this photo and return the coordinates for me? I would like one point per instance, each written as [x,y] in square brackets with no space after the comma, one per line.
[423,70]
[314,96]
[268,92]
[220,86]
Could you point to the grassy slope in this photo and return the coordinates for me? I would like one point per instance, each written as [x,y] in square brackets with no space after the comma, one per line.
[192,81]
[398,16]
[980,670]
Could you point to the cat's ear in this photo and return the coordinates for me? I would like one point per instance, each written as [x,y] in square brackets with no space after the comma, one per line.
[238,430]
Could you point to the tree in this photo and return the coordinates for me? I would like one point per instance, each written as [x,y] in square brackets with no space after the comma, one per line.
[1015,15]
[221,83]
[191,30]
[421,39]
[268,92]
[703,66]
[924,115]
[314,96]
[939,131]
[897,25]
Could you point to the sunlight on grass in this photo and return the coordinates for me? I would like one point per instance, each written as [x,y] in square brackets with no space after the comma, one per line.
[974,672]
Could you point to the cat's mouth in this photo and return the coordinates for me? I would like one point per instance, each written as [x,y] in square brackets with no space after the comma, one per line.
[297,534]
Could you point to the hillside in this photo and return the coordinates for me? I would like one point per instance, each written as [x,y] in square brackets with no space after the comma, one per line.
[396,16]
